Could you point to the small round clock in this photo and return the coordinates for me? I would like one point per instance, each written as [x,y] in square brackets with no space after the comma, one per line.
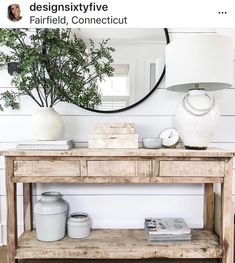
[170,137]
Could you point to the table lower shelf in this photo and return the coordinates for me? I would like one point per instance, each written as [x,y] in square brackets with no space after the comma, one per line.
[119,244]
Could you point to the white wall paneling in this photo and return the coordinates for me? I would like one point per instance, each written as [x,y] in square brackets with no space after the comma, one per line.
[122,210]
[1,235]
[115,205]
[3,185]
[3,217]
[3,210]
[124,189]
[78,127]
[5,79]
[155,105]
[185,30]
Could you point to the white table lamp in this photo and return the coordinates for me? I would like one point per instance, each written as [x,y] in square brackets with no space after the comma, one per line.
[197,64]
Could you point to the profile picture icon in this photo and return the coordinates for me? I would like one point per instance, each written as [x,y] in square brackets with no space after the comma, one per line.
[13,12]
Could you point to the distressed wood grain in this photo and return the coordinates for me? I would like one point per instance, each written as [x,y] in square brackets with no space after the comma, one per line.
[120,244]
[227,238]
[27,206]
[47,168]
[118,179]
[119,168]
[210,152]
[11,211]
[169,166]
[192,168]
[208,207]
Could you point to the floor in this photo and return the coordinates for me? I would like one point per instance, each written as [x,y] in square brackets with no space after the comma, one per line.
[3,255]
[3,260]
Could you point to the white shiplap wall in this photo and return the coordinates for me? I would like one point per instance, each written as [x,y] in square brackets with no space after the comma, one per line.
[119,206]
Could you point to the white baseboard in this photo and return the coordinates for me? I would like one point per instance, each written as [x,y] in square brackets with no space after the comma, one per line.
[1,235]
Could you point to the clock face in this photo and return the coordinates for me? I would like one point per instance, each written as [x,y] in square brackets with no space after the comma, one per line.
[170,137]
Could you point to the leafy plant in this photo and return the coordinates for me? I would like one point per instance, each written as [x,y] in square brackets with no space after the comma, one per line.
[54,65]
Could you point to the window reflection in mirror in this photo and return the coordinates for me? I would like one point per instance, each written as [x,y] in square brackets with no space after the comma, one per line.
[138,64]
[115,90]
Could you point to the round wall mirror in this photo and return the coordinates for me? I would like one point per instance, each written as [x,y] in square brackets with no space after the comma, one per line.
[139,65]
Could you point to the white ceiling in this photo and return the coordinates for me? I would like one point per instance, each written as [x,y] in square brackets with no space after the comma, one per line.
[135,34]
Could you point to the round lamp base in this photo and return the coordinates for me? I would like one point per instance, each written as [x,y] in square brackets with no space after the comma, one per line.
[194,148]
[196,119]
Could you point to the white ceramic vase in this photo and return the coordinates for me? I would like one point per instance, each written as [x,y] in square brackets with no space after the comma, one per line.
[47,124]
[78,225]
[50,217]
[196,119]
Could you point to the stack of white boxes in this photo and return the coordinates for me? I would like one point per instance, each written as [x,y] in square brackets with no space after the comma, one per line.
[113,135]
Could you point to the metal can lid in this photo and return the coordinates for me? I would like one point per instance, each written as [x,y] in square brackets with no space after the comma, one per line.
[79,217]
[52,194]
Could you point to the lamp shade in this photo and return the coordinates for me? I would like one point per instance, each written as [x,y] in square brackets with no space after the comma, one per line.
[206,60]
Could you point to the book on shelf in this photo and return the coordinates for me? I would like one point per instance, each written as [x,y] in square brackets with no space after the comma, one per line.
[45,145]
[167,229]
[169,238]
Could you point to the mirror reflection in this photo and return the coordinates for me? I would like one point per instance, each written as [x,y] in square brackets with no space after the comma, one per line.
[138,64]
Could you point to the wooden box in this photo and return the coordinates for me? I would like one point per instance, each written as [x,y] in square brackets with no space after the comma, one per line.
[114,141]
[113,135]
[117,128]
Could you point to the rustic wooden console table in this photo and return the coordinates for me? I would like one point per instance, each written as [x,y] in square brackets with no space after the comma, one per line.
[121,166]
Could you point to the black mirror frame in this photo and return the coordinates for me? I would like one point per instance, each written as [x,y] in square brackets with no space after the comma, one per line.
[144,98]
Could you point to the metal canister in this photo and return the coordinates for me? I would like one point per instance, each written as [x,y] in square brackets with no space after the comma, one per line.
[50,216]
[79,225]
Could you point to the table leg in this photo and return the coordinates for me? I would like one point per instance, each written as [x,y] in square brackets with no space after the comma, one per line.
[27,193]
[227,214]
[11,211]
[209,206]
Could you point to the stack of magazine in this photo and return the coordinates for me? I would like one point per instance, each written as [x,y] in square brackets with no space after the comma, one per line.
[167,229]
[46,145]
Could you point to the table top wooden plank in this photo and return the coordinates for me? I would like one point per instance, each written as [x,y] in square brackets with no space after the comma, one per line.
[141,152]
